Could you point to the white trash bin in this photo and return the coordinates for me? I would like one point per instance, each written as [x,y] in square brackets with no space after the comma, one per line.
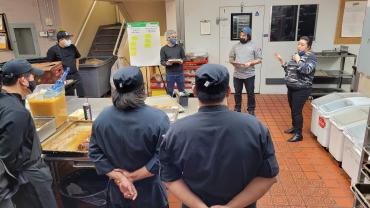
[354,138]
[338,122]
[329,109]
[316,103]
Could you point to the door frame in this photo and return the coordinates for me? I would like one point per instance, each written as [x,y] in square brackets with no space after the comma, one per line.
[34,38]
[262,35]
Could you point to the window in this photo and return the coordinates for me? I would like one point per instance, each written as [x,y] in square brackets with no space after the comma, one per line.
[238,21]
[307,21]
[290,22]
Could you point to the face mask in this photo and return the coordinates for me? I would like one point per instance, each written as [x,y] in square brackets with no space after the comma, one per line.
[243,41]
[31,85]
[67,43]
[301,53]
[173,41]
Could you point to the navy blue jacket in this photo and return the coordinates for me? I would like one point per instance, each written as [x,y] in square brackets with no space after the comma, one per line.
[217,153]
[130,140]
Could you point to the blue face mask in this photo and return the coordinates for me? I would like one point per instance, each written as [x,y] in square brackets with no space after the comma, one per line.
[173,41]
[301,53]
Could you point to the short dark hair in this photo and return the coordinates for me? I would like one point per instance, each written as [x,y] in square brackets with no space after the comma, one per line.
[211,98]
[12,80]
[307,39]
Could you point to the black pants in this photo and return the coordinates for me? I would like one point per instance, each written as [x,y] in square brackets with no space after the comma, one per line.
[297,98]
[249,86]
[38,192]
[80,91]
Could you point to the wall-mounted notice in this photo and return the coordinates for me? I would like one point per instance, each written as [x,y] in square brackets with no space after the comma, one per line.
[353,18]
[144,43]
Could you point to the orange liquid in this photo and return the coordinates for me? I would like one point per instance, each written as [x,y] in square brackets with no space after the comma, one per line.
[51,107]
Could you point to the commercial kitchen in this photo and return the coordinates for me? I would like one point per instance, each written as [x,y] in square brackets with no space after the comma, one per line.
[297,72]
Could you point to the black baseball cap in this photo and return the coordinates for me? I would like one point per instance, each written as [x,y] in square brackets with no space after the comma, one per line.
[63,34]
[16,67]
[128,79]
[212,78]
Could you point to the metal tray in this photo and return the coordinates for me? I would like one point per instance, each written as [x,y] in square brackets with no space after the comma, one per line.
[67,139]
[363,192]
[45,127]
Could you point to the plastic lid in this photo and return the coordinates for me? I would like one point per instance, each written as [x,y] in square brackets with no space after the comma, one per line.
[333,96]
[334,106]
[349,116]
[356,132]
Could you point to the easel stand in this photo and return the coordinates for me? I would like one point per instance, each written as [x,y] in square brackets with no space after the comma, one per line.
[148,76]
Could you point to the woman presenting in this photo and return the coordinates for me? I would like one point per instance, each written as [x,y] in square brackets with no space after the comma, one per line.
[299,74]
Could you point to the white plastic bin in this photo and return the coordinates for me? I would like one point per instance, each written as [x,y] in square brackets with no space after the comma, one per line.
[338,122]
[329,109]
[354,138]
[316,103]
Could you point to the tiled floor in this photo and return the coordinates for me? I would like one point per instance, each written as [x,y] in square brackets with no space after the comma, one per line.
[309,176]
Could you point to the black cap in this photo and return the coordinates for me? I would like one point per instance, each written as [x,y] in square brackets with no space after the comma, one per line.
[212,78]
[17,67]
[128,79]
[63,34]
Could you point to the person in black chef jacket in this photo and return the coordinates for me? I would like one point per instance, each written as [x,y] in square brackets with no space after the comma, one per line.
[125,142]
[20,148]
[67,52]
[217,157]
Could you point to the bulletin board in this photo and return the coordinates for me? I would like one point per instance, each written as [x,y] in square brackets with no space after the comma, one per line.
[350,20]
[144,43]
[4,37]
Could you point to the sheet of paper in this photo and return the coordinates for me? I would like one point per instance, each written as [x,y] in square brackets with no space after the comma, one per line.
[2,29]
[353,18]
[205,27]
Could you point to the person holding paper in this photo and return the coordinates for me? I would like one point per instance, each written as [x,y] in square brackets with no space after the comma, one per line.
[172,57]
[243,56]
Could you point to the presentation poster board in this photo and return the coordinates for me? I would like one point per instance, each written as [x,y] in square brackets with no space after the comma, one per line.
[144,43]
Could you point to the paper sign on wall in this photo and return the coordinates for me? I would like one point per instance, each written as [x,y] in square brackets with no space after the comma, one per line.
[144,43]
[353,18]
[2,28]
[3,41]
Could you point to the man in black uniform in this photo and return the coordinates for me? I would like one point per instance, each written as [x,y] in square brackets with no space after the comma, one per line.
[20,147]
[66,52]
[217,157]
[125,142]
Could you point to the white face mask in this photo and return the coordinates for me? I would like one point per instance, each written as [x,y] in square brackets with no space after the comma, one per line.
[67,43]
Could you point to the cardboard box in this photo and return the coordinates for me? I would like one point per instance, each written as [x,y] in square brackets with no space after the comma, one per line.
[53,71]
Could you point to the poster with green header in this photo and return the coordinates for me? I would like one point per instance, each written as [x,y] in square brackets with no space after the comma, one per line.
[144,43]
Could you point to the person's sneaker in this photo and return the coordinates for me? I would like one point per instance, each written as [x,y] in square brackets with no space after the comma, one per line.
[237,110]
[252,113]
